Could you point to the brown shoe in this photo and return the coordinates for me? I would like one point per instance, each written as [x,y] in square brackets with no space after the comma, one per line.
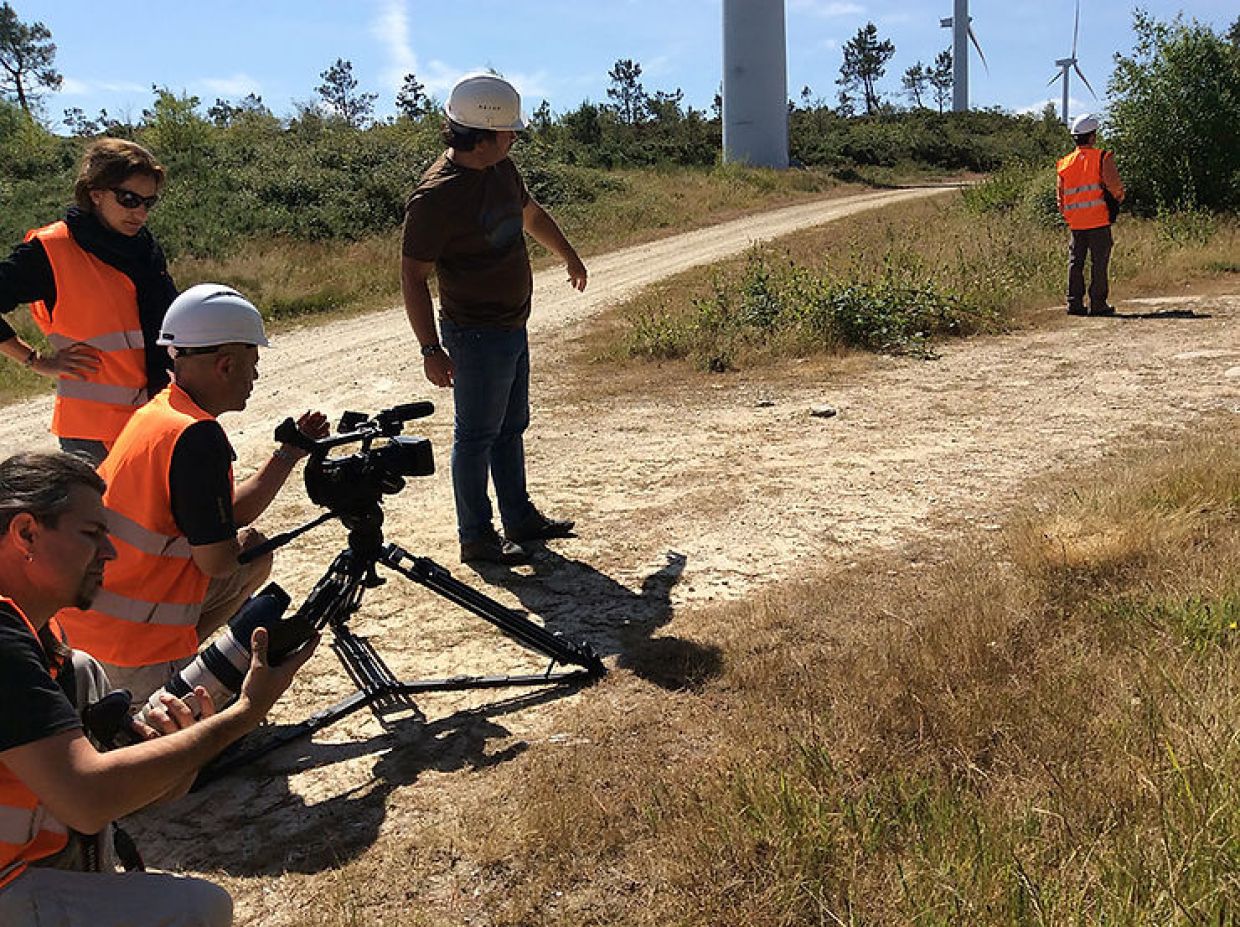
[491,548]
[540,528]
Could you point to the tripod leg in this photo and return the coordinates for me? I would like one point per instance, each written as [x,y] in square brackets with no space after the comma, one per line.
[428,573]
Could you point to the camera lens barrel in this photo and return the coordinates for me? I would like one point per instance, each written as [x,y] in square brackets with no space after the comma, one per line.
[221,667]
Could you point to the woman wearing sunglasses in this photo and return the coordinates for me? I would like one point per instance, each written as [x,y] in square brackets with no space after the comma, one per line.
[98,286]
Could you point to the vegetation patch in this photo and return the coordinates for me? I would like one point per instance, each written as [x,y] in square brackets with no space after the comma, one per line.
[1002,737]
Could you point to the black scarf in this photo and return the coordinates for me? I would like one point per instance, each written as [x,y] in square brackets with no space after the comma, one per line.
[139,258]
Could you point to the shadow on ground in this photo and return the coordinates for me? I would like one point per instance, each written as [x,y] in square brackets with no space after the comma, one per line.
[250,823]
[581,602]
[1164,314]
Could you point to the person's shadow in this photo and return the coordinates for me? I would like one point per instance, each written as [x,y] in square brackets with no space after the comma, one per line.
[250,823]
[573,598]
[1163,314]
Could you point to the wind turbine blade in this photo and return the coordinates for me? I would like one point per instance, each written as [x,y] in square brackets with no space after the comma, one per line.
[980,53]
[1054,78]
[1081,74]
[1076,27]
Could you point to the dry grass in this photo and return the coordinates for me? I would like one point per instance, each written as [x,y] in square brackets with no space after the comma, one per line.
[1002,266]
[1036,726]
[1038,729]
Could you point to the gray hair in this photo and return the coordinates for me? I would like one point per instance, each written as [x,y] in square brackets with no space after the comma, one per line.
[39,484]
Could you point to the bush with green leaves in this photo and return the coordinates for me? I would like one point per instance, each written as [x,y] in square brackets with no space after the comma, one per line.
[897,310]
[1175,117]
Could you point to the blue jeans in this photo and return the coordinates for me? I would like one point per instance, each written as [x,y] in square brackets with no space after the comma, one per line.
[492,395]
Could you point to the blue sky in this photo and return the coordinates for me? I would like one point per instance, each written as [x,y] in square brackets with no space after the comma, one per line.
[559,50]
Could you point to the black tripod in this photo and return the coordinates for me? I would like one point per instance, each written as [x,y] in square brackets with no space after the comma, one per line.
[338,594]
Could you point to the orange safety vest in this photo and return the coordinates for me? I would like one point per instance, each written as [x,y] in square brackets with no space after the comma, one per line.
[97,304]
[152,593]
[28,831]
[1083,204]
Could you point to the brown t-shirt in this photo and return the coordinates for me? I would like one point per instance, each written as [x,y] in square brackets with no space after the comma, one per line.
[468,222]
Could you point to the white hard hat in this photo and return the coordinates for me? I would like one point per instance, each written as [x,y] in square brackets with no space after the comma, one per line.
[211,314]
[484,101]
[1083,125]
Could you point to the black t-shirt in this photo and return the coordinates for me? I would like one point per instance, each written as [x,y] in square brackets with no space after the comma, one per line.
[32,705]
[200,484]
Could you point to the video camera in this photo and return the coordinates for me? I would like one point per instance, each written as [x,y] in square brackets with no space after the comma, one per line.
[351,486]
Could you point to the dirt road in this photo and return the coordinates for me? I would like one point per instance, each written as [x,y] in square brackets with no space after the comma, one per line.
[685,493]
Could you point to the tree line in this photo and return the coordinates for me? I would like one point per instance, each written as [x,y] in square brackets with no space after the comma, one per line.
[1174,118]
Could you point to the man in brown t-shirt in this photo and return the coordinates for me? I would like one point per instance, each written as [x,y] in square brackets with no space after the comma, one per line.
[465,222]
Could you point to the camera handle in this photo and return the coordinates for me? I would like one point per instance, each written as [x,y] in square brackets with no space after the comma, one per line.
[281,539]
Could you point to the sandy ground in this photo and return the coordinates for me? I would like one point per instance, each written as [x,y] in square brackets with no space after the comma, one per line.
[684,495]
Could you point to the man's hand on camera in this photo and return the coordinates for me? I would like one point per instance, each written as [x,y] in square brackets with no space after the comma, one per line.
[264,683]
[313,425]
[174,715]
[438,367]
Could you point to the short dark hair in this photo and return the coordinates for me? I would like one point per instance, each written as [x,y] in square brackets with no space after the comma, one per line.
[39,484]
[1085,138]
[463,138]
[108,163]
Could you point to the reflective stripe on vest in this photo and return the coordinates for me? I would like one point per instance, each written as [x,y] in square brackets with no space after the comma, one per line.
[1083,205]
[142,612]
[147,541]
[96,304]
[28,831]
[151,599]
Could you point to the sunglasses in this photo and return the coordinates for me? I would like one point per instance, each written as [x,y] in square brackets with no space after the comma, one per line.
[131,200]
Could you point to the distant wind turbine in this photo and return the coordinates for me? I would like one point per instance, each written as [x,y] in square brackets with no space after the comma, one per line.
[961,26]
[1069,64]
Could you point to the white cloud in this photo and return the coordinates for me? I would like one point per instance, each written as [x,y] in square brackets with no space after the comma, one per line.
[1075,106]
[826,8]
[391,28]
[238,85]
[76,87]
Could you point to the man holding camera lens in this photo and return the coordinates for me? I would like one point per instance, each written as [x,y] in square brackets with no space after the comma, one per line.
[172,506]
[56,790]
[465,223]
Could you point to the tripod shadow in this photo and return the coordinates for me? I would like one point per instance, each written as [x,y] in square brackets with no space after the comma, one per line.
[1164,314]
[580,602]
[251,824]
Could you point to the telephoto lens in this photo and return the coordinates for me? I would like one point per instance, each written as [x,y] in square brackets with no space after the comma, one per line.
[221,667]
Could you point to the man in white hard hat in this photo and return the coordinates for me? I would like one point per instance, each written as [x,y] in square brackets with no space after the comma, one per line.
[1089,192]
[174,514]
[465,223]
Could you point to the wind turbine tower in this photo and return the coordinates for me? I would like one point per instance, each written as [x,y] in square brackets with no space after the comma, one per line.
[1067,65]
[755,83]
[962,34]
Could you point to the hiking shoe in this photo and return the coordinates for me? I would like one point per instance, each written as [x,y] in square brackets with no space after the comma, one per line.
[540,528]
[1102,310]
[1077,310]
[491,548]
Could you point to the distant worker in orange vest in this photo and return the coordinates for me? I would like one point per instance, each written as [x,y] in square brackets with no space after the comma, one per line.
[1089,192]
[58,793]
[173,512]
[98,286]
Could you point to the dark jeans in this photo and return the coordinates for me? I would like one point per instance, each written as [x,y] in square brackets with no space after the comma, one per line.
[1096,243]
[492,395]
[92,452]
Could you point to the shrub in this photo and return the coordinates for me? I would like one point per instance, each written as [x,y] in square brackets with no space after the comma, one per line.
[1175,117]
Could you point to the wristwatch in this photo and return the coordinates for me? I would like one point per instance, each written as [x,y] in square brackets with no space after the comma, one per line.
[429,349]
